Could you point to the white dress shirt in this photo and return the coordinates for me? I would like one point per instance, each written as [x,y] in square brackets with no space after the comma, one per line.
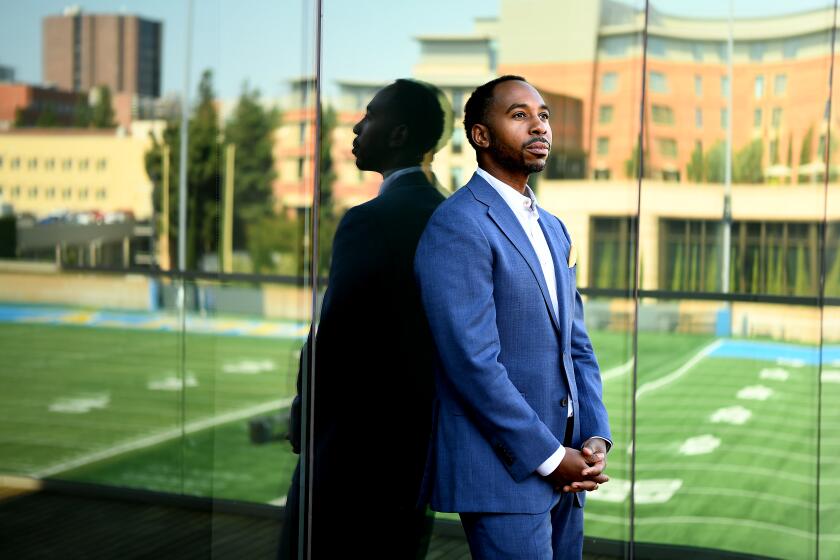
[525,209]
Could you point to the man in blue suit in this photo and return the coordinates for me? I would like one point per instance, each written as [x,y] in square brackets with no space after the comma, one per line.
[520,428]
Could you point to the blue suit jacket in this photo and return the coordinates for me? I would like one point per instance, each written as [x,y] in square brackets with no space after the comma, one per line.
[505,362]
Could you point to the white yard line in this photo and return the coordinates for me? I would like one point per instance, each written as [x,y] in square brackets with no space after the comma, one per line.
[160,437]
[281,501]
[675,375]
[618,371]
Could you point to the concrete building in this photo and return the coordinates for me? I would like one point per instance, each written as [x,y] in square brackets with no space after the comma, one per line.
[47,171]
[82,51]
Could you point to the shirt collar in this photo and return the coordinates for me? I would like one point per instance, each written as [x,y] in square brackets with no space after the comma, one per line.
[517,202]
[393,174]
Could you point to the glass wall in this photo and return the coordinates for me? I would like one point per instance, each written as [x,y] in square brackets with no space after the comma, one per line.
[176,186]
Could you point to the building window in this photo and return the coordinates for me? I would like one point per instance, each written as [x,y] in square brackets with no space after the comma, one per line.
[1,162]
[67,164]
[101,164]
[791,47]
[777,117]
[50,192]
[84,164]
[100,194]
[774,151]
[612,262]
[821,148]
[698,86]
[83,193]
[658,82]
[698,117]
[458,103]
[691,255]
[32,192]
[757,52]
[605,114]
[457,140]
[780,84]
[302,132]
[609,82]
[723,52]
[697,52]
[15,192]
[667,147]
[49,163]
[33,163]
[616,45]
[601,174]
[657,47]
[67,193]
[15,163]
[724,118]
[662,114]
[758,89]
[300,168]
[757,118]
[724,86]
[603,146]
[455,178]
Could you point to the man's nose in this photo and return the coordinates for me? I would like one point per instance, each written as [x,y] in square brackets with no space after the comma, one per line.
[538,126]
[356,128]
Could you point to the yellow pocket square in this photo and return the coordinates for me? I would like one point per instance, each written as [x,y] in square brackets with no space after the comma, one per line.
[572,256]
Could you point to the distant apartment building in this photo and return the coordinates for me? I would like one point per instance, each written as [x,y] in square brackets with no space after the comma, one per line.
[7,74]
[44,171]
[32,105]
[779,86]
[82,51]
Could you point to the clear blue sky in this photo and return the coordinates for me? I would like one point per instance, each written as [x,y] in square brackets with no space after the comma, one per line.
[262,41]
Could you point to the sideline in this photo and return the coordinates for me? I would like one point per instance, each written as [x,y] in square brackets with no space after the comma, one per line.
[682,370]
[160,437]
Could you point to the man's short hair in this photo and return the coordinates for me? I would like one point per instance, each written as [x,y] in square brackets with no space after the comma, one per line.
[475,111]
[418,105]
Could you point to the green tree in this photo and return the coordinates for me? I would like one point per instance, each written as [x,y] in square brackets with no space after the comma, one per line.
[805,153]
[251,130]
[47,117]
[82,114]
[102,112]
[631,164]
[202,176]
[715,163]
[802,284]
[747,163]
[696,170]
[790,151]
[328,218]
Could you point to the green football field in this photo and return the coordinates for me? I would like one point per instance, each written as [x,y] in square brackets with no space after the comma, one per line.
[725,452]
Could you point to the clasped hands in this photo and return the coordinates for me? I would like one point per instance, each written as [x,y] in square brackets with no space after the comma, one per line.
[581,470]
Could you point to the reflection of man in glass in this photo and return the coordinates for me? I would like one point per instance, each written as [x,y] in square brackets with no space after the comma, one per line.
[520,427]
[373,381]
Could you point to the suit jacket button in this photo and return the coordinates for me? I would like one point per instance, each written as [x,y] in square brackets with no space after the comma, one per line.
[564,402]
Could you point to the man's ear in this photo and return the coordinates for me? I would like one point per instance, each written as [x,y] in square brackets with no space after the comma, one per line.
[399,136]
[480,135]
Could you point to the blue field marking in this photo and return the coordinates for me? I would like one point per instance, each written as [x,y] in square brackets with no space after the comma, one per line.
[773,351]
[152,321]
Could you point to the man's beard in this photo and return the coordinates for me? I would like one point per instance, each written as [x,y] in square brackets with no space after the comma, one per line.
[513,160]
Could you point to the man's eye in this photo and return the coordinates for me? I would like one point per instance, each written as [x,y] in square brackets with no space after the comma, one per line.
[518,115]
[544,116]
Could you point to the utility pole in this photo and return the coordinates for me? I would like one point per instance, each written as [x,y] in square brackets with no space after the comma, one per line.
[227,223]
[164,225]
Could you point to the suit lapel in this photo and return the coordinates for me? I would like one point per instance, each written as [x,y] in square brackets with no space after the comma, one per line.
[503,216]
[559,254]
